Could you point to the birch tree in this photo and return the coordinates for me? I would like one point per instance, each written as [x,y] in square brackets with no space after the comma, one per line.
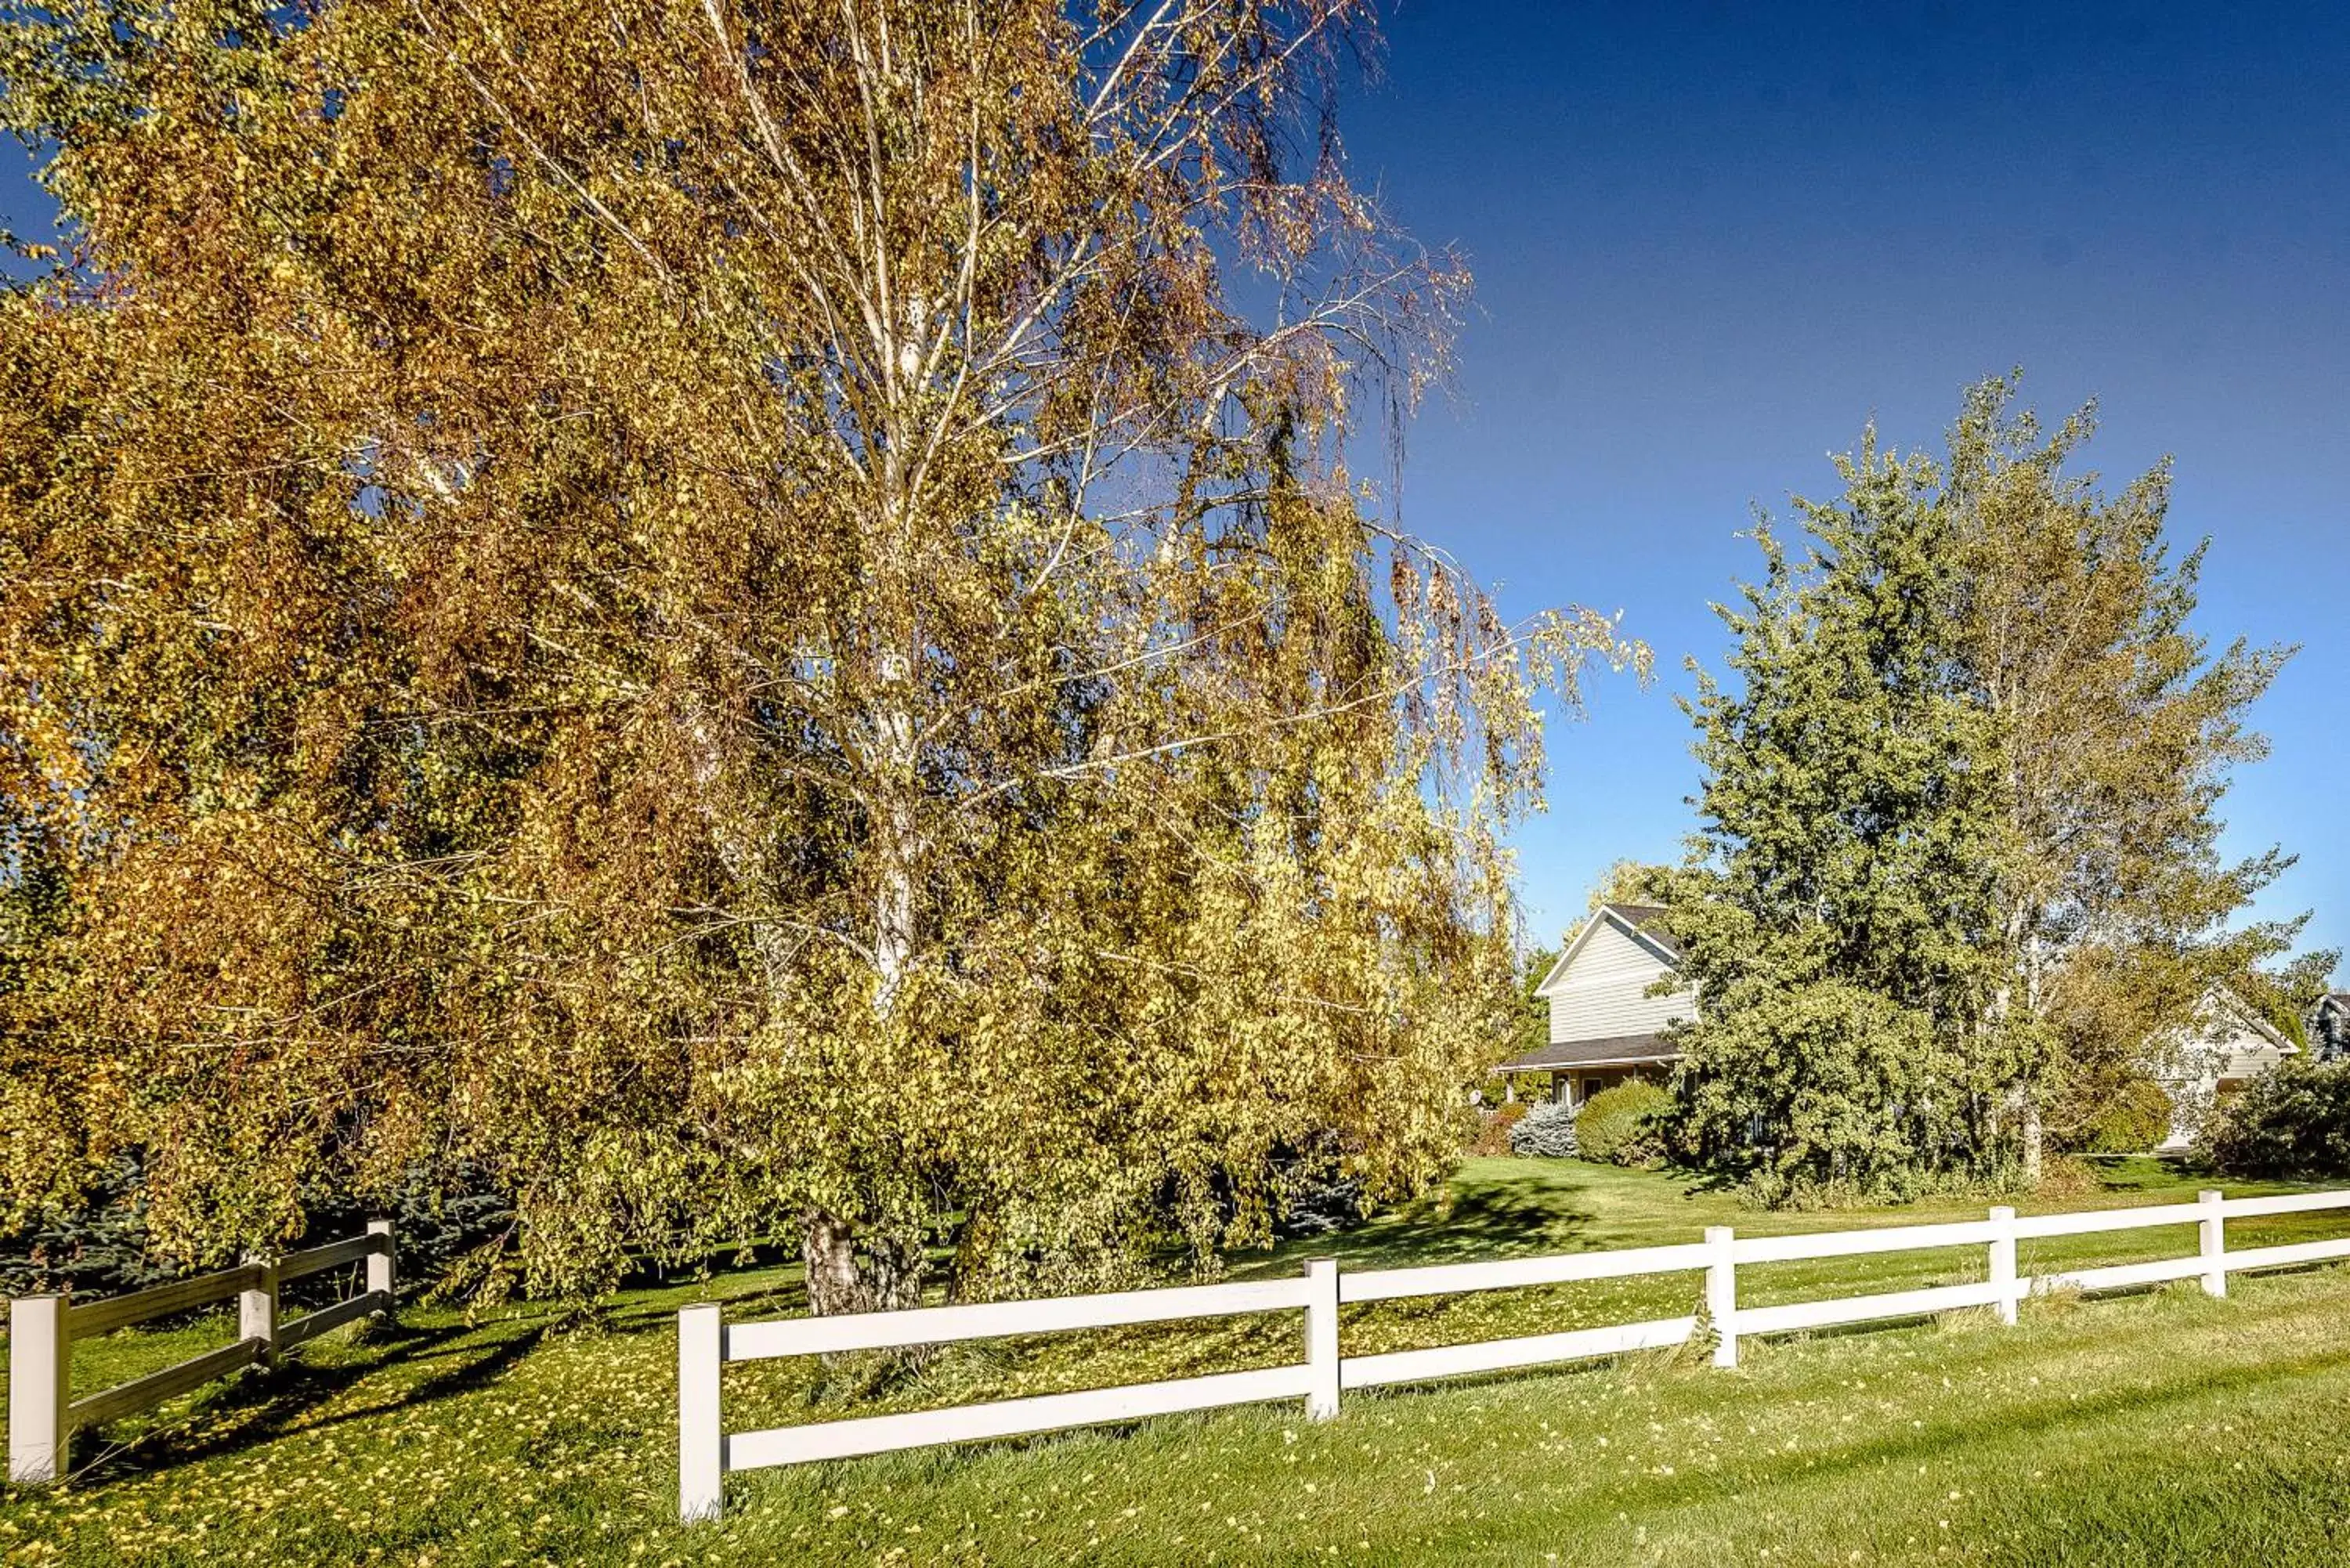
[755,617]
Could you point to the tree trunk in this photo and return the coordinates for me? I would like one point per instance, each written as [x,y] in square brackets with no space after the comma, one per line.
[851,1270]
[867,1269]
[828,1254]
[846,1273]
[895,843]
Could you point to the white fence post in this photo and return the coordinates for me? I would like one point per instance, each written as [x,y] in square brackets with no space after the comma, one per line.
[41,1386]
[1722,1294]
[380,1270]
[2215,1243]
[701,1435]
[2002,1261]
[1322,1339]
[257,1309]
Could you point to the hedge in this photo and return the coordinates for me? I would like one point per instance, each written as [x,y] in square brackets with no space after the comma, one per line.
[1625,1125]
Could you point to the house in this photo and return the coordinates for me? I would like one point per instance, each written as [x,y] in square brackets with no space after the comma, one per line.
[2329,1028]
[1613,1001]
[2209,1060]
[1604,1025]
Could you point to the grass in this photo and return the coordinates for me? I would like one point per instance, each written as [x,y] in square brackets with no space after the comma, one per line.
[2161,1428]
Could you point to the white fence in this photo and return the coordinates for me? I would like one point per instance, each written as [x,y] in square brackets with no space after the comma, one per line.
[43,1415]
[707,1453]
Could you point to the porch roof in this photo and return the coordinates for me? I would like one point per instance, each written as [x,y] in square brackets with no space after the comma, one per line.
[1624,1051]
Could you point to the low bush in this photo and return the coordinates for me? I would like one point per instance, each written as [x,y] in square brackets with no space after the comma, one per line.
[1494,1126]
[2067,1177]
[2289,1121]
[1547,1130]
[1315,1197]
[1626,1126]
[2134,1118]
[1800,1192]
[101,1246]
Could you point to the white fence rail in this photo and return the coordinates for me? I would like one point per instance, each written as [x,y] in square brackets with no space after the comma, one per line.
[707,1454]
[43,1415]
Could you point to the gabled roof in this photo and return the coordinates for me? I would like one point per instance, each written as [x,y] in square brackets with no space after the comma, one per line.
[2223,999]
[1644,923]
[1650,920]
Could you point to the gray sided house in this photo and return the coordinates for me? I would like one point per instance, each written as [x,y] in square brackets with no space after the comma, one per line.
[2329,1028]
[1605,1026]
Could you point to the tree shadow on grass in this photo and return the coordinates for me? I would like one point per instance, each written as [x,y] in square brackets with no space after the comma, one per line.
[267,1403]
[1475,1224]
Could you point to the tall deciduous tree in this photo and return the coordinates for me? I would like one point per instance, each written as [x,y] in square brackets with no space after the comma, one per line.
[1531,1030]
[715,608]
[1630,882]
[2118,727]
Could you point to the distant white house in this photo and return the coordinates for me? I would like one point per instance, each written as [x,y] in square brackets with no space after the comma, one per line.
[1605,1026]
[1613,1001]
[2213,1058]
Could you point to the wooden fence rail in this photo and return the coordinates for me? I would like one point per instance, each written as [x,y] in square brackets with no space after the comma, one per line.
[43,1415]
[707,1453]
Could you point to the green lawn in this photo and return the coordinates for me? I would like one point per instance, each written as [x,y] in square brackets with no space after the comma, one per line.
[2162,1428]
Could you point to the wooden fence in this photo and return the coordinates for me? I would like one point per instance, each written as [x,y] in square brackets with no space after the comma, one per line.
[707,1453]
[43,1415]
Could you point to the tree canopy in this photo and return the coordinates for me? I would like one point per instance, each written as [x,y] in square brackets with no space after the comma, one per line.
[1959,860]
[716,610]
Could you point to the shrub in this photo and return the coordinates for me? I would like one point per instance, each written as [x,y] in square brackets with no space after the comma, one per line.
[1315,1195]
[100,1247]
[2066,1176]
[2291,1121]
[2133,1118]
[1495,1128]
[1547,1130]
[1625,1125]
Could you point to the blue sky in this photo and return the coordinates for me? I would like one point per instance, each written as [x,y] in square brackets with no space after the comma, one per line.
[1711,240]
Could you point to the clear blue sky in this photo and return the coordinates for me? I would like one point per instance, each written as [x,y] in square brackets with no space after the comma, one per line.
[1711,239]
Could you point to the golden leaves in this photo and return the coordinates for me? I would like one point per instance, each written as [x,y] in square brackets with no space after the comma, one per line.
[716,610]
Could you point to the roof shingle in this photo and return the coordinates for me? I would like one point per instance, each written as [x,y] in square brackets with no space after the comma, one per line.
[1650,920]
[1594,1052]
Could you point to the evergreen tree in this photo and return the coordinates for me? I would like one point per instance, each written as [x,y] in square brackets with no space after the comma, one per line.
[1836,911]
[1959,863]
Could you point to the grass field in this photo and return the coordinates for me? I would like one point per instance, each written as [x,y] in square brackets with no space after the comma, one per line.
[2163,1429]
